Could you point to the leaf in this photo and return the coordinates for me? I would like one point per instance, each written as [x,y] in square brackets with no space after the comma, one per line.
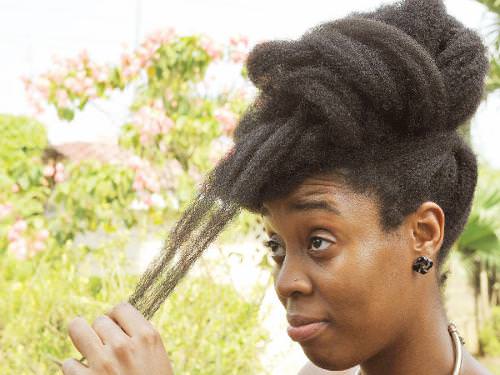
[66,114]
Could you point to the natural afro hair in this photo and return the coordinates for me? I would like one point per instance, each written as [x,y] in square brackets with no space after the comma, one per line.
[375,97]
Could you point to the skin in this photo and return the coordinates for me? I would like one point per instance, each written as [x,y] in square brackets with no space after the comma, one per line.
[381,313]
[121,342]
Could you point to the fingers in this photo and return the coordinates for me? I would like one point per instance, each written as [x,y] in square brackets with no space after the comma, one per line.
[85,339]
[73,367]
[108,331]
[131,320]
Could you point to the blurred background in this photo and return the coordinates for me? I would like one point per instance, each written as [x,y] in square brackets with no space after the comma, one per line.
[111,113]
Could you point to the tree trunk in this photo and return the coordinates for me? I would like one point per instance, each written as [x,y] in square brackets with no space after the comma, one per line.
[484,290]
[477,308]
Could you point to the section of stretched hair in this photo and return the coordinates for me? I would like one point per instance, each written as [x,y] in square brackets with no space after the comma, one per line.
[165,282]
[236,180]
[195,227]
[179,234]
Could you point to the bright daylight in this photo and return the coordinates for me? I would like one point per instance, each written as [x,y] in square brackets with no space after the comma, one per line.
[250,187]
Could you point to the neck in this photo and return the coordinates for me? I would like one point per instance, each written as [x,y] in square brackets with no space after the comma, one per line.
[424,345]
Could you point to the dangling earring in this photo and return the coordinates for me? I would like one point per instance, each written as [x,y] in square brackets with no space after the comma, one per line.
[422,264]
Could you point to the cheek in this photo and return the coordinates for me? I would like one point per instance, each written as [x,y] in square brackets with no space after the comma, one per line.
[362,287]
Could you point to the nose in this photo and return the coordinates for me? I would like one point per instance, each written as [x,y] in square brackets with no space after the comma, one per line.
[291,278]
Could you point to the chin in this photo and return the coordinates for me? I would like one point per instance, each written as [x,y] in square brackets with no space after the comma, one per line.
[328,357]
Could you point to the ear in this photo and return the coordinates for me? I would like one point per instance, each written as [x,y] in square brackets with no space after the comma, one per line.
[427,226]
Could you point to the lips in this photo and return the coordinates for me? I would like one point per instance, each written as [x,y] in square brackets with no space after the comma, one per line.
[303,328]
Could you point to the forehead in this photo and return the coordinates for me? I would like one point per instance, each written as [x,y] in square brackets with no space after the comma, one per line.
[323,193]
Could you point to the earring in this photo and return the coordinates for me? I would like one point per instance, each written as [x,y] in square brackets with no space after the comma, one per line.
[422,264]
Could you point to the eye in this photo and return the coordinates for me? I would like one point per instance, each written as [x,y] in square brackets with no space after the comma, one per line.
[319,244]
[275,247]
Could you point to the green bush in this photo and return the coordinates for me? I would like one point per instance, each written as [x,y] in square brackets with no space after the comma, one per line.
[22,144]
[489,337]
[207,327]
[22,139]
[94,196]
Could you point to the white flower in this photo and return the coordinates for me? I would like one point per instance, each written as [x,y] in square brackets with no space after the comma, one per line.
[138,205]
[158,201]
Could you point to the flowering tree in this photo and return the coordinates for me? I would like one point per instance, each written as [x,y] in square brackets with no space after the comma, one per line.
[174,134]
[23,187]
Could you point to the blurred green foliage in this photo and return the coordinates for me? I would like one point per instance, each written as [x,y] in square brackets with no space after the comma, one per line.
[493,81]
[207,327]
[489,335]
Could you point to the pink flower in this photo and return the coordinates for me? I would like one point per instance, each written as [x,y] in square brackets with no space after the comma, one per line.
[19,249]
[226,118]
[221,147]
[152,184]
[101,74]
[62,99]
[42,84]
[161,36]
[238,57]
[5,210]
[135,162]
[91,92]
[148,201]
[70,83]
[236,41]
[138,185]
[43,235]
[84,56]
[58,74]
[126,59]
[88,82]
[158,105]
[144,139]
[26,81]
[48,171]
[59,167]
[168,94]
[38,246]
[244,40]
[20,226]
[81,75]
[59,177]
[210,48]
[15,188]
[13,235]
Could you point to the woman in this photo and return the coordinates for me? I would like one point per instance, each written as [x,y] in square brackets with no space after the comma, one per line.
[351,155]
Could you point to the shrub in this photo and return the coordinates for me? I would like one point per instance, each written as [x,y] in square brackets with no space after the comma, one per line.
[489,336]
[207,328]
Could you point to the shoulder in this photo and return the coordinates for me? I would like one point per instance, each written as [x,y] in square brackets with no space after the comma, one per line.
[310,369]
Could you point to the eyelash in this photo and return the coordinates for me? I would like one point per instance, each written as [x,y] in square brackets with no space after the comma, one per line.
[271,243]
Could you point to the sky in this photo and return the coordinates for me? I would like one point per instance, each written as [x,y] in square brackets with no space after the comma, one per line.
[32,31]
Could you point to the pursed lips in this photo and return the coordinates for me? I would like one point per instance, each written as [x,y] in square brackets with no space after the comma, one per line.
[303,328]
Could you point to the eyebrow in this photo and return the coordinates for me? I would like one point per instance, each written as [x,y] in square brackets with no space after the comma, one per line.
[308,205]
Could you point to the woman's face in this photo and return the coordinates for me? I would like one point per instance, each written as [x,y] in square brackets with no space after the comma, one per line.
[348,272]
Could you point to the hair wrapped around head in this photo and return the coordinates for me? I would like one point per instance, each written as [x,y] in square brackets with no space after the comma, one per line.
[376,97]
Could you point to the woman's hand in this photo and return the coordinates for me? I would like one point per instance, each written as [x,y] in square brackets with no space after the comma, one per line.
[122,342]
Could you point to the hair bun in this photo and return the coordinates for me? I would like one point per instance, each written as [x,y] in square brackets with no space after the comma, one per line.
[406,69]
[458,51]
